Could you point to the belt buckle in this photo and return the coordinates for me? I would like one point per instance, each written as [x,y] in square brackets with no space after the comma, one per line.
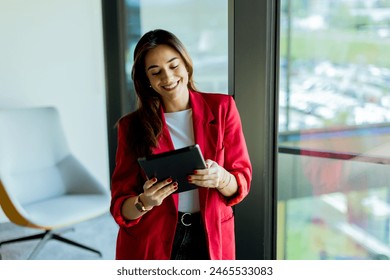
[182,220]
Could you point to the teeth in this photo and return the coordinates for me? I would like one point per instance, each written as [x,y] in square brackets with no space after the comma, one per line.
[170,86]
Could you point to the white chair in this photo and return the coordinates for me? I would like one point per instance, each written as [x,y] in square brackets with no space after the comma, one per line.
[42,185]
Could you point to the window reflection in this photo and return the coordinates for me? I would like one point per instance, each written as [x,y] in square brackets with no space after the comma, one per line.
[334,130]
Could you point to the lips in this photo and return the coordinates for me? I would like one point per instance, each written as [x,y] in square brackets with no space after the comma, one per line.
[171,86]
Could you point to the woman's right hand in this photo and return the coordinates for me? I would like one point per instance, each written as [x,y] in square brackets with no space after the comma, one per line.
[155,192]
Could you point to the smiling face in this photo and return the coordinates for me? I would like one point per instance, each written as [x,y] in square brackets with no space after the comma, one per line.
[168,76]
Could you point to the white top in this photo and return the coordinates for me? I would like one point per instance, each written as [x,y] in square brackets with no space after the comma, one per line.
[182,133]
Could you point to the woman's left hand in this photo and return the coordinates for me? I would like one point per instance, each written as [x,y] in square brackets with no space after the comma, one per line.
[209,177]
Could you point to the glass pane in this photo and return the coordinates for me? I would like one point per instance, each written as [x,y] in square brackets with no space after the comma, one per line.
[200,24]
[334,130]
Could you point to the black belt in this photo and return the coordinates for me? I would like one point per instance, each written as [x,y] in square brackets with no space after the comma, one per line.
[188,219]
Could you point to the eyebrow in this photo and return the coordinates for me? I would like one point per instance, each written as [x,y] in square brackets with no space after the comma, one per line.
[155,66]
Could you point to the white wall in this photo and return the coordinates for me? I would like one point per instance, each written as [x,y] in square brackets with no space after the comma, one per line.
[51,53]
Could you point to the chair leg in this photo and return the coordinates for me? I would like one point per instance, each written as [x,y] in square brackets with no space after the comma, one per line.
[70,242]
[36,236]
[46,236]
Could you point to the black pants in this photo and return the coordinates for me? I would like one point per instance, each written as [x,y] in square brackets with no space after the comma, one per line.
[190,240]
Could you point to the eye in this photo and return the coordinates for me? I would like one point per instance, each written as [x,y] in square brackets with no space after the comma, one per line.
[156,73]
[175,66]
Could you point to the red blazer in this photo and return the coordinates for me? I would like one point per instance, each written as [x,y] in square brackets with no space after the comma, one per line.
[218,131]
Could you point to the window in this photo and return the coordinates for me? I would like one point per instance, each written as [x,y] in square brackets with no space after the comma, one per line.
[201,25]
[334,130]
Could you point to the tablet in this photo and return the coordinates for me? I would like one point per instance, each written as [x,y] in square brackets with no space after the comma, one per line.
[176,164]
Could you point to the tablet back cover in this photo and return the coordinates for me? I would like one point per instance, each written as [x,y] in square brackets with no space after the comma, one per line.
[177,164]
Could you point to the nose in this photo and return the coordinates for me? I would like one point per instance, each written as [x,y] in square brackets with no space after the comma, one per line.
[167,76]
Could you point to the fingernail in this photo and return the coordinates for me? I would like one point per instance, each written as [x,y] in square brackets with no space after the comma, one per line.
[154,180]
[175,185]
[169,180]
[195,172]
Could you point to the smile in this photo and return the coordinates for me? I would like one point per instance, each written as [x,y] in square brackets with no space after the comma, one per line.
[171,86]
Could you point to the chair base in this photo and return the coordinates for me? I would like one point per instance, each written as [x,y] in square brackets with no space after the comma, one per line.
[46,236]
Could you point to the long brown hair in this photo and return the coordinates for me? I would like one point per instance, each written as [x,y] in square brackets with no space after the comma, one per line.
[149,101]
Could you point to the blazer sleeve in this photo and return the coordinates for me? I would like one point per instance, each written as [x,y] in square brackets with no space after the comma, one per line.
[236,156]
[125,178]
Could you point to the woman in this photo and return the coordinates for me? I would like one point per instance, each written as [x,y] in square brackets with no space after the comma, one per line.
[154,222]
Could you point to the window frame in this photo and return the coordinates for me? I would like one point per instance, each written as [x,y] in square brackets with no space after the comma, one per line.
[256,71]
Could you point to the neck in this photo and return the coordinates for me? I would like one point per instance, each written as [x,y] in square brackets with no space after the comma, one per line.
[176,105]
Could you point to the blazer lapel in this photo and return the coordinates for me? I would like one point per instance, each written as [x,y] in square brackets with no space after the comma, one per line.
[205,126]
[206,135]
[165,142]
